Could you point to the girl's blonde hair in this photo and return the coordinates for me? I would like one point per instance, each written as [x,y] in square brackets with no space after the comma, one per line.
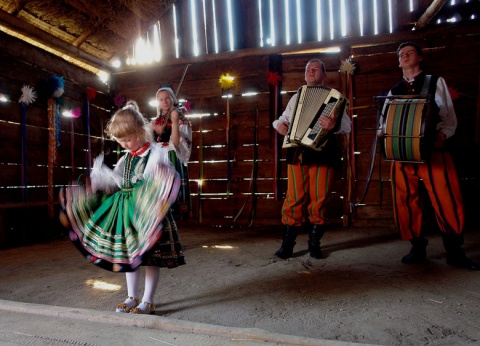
[128,121]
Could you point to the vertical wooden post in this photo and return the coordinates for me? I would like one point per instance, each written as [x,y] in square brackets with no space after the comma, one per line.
[477,118]
[275,66]
[52,147]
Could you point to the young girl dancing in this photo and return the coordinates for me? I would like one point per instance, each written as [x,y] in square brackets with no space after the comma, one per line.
[131,227]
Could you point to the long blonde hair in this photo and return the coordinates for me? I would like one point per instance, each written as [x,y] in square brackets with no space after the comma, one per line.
[128,121]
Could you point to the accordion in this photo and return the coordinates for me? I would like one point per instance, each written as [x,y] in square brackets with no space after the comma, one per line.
[312,103]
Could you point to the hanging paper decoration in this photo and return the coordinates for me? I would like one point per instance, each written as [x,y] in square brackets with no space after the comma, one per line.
[229,164]
[55,89]
[76,113]
[273,78]
[55,86]
[454,93]
[347,66]
[119,100]
[87,125]
[187,105]
[91,93]
[200,171]
[28,96]
[226,81]
[349,69]
[52,153]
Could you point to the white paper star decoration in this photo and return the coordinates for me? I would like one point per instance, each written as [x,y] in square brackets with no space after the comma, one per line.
[347,66]
[28,95]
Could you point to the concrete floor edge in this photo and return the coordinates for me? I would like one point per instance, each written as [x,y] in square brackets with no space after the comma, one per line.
[163,323]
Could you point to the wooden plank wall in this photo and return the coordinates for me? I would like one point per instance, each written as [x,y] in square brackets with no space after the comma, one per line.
[250,117]
[24,209]
[377,70]
[221,199]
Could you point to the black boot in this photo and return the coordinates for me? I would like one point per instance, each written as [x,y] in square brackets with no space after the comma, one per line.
[418,252]
[286,250]
[455,254]
[316,233]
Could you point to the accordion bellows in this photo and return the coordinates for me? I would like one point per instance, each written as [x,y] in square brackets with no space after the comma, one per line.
[312,103]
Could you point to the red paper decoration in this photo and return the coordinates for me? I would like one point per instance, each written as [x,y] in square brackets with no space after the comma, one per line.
[273,78]
[454,93]
[91,93]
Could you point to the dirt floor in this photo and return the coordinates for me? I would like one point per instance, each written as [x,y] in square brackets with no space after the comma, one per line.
[360,293]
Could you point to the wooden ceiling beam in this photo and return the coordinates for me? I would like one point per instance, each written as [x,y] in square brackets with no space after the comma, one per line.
[16,6]
[82,38]
[430,13]
[36,34]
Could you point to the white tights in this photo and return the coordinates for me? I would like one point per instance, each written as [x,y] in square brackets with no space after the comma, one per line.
[152,274]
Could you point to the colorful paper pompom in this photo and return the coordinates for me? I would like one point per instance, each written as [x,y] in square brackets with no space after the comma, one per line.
[273,78]
[119,100]
[76,113]
[226,81]
[28,95]
[347,66]
[91,93]
[454,93]
[56,86]
[187,105]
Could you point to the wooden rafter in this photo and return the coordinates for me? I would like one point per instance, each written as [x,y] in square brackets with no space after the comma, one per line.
[16,6]
[430,13]
[31,31]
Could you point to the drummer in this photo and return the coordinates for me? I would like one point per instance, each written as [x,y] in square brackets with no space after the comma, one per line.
[438,174]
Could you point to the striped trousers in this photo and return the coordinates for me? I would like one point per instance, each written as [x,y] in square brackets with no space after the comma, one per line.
[308,187]
[441,182]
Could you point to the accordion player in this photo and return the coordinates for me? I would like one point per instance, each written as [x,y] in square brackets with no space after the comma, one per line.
[313,102]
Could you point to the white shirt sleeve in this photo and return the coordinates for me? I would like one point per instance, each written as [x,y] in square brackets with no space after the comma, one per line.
[105,179]
[448,118]
[286,113]
[345,124]
[184,150]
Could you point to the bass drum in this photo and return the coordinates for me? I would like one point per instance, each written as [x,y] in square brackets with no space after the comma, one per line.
[404,130]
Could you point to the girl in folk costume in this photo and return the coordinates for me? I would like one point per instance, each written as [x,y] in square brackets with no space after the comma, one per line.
[174,132]
[124,220]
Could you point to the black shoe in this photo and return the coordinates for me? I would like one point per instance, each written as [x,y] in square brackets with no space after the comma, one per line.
[284,252]
[414,258]
[418,252]
[316,233]
[316,252]
[462,261]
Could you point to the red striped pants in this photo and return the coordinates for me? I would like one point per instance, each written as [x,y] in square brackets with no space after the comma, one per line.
[441,181]
[308,187]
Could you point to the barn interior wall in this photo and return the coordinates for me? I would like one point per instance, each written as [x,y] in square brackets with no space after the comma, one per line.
[226,167]
[234,153]
[28,196]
